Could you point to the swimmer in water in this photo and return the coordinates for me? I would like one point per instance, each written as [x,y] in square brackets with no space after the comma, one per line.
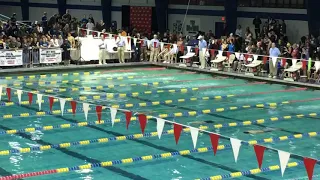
[261,131]
[201,122]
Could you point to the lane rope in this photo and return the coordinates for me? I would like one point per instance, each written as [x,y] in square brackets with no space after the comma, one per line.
[163,115]
[252,171]
[216,126]
[135,136]
[121,161]
[148,84]
[136,94]
[100,78]
[42,76]
[191,98]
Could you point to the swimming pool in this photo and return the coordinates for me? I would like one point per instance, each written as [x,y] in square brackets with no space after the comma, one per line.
[175,95]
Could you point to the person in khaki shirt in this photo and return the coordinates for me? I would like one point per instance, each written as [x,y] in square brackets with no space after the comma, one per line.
[123,33]
[71,40]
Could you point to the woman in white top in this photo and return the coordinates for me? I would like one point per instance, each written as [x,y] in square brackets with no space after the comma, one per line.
[54,42]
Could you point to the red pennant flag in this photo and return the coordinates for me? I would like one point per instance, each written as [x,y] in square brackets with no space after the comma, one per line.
[304,64]
[9,94]
[259,150]
[212,52]
[309,165]
[214,142]
[73,106]
[104,35]
[142,42]
[143,122]
[228,54]
[154,44]
[128,118]
[168,46]
[115,37]
[177,128]
[51,100]
[246,56]
[30,95]
[98,111]
[128,38]
[197,51]
[265,59]
[283,62]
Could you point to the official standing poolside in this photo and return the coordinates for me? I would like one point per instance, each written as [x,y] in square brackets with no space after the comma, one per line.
[154,49]
[202,49]
[102,51]
[121,44]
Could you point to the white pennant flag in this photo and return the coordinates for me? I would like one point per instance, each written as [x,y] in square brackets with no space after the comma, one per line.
[237,55]
[1,91]
[220,53]
[294,62]
[19,92]
[99,34]
[39,98]
[113,112]
[161,46]
[194,135]
[62,103]
[235,143]
[274,61]
[317,65]
[135,41]
[149,43]
[128,44]
[284,159]
[85,107]
[204,51]
[175,48]
[188,49]
[160,125]
[255,57]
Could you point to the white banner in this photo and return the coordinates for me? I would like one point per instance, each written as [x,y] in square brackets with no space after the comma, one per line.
[50,55]
[11,58]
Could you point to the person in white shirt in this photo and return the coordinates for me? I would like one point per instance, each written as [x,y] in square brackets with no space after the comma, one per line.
[239,31]
[54,42]
[90,25]
[102,52]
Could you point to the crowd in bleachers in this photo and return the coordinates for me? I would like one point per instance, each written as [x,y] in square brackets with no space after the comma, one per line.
[60,30]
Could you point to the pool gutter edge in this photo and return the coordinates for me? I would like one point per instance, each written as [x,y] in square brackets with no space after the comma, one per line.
[241,76]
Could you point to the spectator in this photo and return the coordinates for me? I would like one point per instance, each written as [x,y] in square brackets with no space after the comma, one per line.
[239,31]
[257,23]
[13,19]
[248,35]
[67,17]
[13,44]
[66,53]
[90,25]
[91,18]
[44,43]
[71,40]
[84,20]
[231,46]
[54,42]
[60,40]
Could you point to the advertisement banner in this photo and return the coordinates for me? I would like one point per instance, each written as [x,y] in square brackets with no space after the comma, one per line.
[48,56]
[11,58]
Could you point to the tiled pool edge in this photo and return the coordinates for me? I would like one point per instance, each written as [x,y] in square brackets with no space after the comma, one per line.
[241,76]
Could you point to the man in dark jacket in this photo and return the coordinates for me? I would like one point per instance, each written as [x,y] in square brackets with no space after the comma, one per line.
[257,23]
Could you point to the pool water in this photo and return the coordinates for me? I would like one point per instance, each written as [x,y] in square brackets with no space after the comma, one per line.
[196,165]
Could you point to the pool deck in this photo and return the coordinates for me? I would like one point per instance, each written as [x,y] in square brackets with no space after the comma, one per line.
[6,72]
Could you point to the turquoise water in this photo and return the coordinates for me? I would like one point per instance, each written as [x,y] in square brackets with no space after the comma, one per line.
[190,167]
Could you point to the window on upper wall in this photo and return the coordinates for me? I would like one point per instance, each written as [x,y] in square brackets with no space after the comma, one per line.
[198,2]
[296,4]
